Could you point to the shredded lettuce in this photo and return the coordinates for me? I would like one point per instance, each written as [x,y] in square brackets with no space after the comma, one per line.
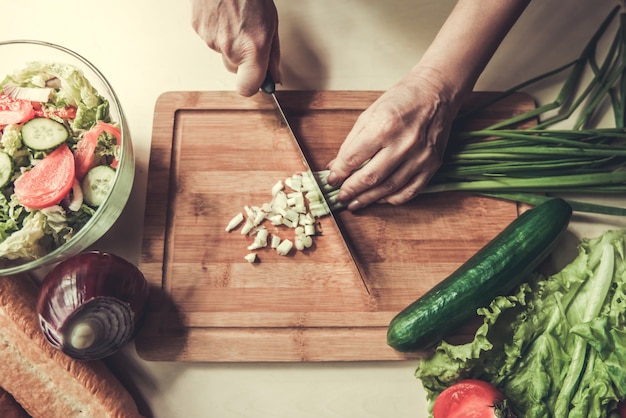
[557,346]
[26,242]
[71,88]
[11,140]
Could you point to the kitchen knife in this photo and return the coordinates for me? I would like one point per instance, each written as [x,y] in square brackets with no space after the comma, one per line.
[269,87]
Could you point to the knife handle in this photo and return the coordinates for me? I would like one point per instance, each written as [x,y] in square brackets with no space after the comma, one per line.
[268,86]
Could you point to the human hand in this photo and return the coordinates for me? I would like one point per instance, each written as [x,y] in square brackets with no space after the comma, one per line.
[402,136]
[245,32]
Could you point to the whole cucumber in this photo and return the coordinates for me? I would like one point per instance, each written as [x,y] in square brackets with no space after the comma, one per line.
[494,270]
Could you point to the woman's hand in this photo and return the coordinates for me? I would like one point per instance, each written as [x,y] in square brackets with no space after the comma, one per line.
[245,33]
[402,136]
[405,132]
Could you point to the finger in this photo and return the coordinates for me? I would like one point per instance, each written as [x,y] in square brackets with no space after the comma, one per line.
[375,176]
[229,64]
[403,185]
[357,148]
[250,76]
[410,190]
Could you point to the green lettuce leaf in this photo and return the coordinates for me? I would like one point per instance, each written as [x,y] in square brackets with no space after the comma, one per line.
[557,346]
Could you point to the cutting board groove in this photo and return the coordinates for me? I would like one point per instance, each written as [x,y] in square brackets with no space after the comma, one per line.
[214,152]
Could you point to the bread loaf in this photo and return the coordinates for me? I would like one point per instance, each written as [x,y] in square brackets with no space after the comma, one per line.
[9,408]
[45,381]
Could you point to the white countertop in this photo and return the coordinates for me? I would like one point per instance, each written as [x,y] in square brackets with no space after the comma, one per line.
[145,48]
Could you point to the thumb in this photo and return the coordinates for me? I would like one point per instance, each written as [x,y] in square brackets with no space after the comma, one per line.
[250,76]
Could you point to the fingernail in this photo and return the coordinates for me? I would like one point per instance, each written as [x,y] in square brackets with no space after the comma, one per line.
[332,178]
[354,205]
[342,196]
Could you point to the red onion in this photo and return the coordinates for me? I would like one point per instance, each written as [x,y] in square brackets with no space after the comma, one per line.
[90,304]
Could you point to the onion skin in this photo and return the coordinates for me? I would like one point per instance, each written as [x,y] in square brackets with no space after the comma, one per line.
[90,305]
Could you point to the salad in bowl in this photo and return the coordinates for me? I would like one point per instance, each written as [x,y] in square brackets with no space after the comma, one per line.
[66,160]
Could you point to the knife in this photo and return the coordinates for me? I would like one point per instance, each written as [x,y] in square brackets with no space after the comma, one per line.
[269,87]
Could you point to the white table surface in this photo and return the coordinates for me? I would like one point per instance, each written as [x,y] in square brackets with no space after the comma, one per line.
[147,47]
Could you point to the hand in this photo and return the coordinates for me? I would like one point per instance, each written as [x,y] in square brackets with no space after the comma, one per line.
[402,136]
[245,33]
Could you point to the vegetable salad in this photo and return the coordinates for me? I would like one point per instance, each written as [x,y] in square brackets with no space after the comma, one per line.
[58,156]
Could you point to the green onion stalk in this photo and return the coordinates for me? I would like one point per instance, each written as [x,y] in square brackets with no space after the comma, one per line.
[526,158]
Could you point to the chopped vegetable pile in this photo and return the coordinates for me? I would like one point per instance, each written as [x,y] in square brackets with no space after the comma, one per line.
[557,346]
[55,130]
[296,203]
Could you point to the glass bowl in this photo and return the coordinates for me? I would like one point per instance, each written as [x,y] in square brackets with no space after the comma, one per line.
[16,55]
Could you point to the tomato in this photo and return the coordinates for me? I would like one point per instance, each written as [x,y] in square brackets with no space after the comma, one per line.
[84,154]
[14,110]
[68,112]
[48,182]
[470,398]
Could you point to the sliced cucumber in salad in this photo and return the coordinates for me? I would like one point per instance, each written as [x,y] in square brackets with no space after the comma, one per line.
[97,184]
[6,168]
[43,134]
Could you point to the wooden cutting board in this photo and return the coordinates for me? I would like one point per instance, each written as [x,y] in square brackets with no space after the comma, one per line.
[215,152]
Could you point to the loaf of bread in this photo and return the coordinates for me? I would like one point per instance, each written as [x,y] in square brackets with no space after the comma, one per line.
[44,381]
[9,408]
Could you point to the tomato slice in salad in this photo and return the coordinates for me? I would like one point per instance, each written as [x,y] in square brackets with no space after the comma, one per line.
[84,154]
[49,181]
[68,112]
[15,110]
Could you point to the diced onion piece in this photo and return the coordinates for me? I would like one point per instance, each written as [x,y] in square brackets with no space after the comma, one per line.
[276,219]
[289,223]
[279,201]
[234,223]
[299,243]
[258,217]
[275,241]
[260,240]
[77,197]
[250,258]
[279,186]
[309,230]
[247,227]
[293,216]
[307,241]
[285,247]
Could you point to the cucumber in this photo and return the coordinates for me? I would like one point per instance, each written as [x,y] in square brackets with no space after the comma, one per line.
[43,134]
[6,168]
[97,184]
[494,270]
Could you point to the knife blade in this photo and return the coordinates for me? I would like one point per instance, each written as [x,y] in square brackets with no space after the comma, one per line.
[269,87]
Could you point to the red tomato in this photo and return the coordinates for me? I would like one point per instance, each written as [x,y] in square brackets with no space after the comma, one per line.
[84,154]
[470,398]
[48,182]
[68,112]
[14,110]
